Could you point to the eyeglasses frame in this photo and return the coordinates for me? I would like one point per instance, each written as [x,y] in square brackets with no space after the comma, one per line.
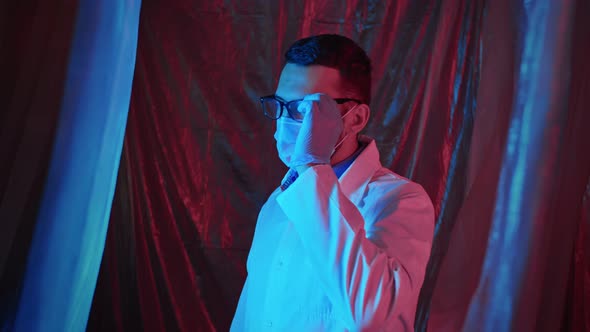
[285,104]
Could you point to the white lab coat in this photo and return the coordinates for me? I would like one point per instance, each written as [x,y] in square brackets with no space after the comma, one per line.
[338,255]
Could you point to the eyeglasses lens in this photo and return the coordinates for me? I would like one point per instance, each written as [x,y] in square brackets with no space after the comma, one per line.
[271,108]
[294,112]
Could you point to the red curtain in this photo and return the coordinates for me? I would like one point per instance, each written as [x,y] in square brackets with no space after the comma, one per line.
[199,158]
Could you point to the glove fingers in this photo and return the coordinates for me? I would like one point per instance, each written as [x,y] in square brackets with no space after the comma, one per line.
[320,129]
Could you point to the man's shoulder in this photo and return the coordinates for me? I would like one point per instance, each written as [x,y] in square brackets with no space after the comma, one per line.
[389,193]
[386,181]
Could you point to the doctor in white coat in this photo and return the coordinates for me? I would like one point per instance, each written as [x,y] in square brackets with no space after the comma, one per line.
[343,243]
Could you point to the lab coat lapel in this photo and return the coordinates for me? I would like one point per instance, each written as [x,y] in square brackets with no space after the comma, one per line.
[355,179]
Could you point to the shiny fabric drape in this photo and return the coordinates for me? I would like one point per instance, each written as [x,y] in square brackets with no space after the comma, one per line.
[199,158]
[65,254]
[34,65]
[67,68]
[509,265]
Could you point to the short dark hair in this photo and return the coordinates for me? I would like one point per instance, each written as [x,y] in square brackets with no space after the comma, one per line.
[338,52]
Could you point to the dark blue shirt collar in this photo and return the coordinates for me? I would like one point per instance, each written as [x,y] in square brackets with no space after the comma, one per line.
[342,166]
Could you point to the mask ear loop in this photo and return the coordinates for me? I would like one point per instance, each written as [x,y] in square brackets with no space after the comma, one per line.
[345,136]
[350,110]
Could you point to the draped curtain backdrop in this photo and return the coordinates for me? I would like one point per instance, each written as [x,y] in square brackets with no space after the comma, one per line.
[484,103]
[67,70]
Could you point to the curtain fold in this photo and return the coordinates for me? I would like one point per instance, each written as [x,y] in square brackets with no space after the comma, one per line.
[63,259]
[532,215]
[538,165]
[33,62]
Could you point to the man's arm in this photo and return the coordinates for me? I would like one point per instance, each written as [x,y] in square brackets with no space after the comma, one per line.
[368,277]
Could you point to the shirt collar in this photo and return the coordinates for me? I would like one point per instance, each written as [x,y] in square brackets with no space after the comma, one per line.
[342,166]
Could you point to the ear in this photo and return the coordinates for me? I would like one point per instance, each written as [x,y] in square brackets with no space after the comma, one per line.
[358,118]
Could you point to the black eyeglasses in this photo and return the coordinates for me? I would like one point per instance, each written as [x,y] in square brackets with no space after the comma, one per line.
[273,106]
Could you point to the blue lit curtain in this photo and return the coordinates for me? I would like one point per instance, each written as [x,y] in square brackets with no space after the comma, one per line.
[56,290]
[518,256]
[542,190]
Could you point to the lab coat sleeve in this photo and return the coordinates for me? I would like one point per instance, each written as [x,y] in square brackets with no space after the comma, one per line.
[370,277]
[238,324]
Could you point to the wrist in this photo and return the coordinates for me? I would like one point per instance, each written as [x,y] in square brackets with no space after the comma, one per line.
[302,168]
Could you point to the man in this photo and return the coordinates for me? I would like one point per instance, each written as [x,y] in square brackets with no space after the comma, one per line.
[342,244]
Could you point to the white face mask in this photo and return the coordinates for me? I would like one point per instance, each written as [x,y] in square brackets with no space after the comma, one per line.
[286,137]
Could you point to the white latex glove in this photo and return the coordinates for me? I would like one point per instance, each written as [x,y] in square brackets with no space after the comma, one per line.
[320,129]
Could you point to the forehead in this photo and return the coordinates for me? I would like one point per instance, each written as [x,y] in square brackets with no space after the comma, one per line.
[296,81]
